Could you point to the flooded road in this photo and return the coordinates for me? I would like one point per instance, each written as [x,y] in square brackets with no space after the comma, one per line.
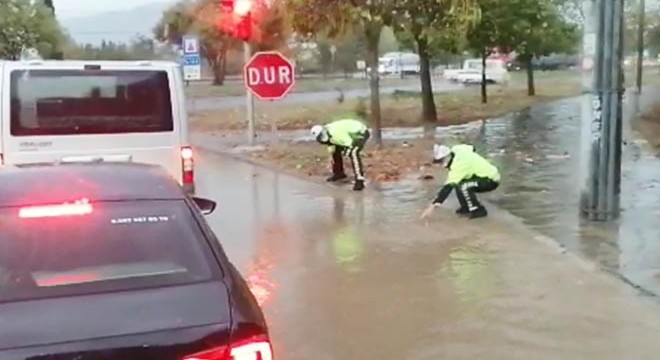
[538,151]
[357,276]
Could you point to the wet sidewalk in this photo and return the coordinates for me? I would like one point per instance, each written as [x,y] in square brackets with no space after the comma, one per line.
[357,276]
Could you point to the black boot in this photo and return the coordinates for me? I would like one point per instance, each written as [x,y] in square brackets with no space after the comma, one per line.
[336,177]
[462,211]
[359,185]
[478,213]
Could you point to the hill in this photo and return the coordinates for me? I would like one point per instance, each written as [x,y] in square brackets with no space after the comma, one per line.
[117,26]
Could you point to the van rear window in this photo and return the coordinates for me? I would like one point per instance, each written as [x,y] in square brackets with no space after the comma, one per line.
[72,102]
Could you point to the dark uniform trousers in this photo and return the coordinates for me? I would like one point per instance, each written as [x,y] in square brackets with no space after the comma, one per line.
[466,191]
[352,152]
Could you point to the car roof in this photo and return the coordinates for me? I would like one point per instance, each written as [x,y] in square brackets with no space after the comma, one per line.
[59,183]
[115,64]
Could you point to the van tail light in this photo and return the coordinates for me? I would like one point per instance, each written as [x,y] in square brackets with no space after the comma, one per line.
[255,348]
[2,159]
[187,165]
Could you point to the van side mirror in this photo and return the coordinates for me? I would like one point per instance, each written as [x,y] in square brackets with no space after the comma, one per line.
[206,206]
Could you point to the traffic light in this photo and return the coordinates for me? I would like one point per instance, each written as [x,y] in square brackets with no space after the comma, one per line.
[242,8]
[240,12]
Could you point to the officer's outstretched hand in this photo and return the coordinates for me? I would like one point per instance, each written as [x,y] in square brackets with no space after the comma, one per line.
[427,212]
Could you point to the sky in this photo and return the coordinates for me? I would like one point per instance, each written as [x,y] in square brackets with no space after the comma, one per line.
[67,9]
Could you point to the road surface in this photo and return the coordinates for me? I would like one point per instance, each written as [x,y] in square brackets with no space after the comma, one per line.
[227,102]
[357,276]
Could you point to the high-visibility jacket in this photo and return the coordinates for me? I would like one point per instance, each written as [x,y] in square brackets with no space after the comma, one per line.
[466,163]
[345,132]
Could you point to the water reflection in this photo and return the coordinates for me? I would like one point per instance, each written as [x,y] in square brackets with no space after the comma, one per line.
[538,150]
[403,290]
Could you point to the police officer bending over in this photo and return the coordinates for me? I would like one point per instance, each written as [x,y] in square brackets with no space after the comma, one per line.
[469,173]
[344,137]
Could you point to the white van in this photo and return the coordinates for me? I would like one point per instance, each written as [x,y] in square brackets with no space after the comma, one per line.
[398,62]
[75,111]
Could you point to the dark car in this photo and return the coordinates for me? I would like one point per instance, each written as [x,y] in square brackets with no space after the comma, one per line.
[115,262]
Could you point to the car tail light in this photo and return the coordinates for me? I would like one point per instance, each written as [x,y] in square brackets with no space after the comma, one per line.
[256,348]
[78,208]
[187,165]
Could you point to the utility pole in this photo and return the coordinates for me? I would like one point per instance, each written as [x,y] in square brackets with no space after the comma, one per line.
[640,44]
[249,98]
[602,109]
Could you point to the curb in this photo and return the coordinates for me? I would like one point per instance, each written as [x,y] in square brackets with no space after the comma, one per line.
[269,167]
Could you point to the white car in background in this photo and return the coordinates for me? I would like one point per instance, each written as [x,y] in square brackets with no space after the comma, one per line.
[471,73]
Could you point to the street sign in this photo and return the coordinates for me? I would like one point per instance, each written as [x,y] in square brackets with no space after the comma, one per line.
[190,44]
[192,63]
[269,75]
[192,68]
[192,60]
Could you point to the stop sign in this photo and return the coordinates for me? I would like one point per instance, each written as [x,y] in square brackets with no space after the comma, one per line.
[269,75]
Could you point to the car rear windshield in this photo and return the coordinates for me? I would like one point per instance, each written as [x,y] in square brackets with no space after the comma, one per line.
[70,102]
[78,248]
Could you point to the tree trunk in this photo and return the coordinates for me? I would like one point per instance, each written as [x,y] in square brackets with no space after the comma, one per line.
[219,67]
[224,66]
[531,89]
[429,111]
[372,33]
[484,83]
[218,76]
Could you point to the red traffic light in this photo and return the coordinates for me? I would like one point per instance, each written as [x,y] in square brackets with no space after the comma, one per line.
[237,7]
[242,7]
[237,18]
[227,6]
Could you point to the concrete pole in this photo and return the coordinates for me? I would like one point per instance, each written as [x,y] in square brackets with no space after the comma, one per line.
[640,44]
[602,125]
[249,98]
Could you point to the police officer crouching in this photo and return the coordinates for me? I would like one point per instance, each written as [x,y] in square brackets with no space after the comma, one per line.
[344,137]
[469,174]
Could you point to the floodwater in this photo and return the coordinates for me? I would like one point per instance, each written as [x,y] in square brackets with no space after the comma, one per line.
[538,152]
[358,276]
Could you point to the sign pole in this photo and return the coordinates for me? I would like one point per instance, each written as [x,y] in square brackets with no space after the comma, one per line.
[249,99]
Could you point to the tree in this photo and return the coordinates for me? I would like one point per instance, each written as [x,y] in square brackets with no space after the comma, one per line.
[541,30]
[349,49]
[652,33]
[334,18]
[25,25]
[433,26]
[488,33]
[498,28]
[205,18]
[49,4]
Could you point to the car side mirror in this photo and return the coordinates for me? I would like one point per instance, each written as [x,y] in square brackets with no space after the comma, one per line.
[206,206]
